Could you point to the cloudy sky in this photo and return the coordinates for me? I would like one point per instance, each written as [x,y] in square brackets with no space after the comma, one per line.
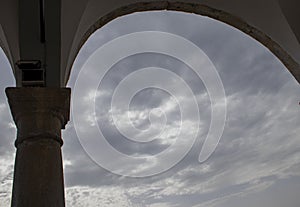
[256,163]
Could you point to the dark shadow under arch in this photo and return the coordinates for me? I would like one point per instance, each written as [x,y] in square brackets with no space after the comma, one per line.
[203,10]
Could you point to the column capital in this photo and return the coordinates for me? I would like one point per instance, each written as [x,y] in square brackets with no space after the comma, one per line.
[39,112]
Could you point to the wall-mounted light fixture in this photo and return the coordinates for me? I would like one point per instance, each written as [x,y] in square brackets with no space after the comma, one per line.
[33,75]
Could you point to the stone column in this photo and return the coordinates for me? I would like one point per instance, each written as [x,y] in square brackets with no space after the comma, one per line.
[39,114]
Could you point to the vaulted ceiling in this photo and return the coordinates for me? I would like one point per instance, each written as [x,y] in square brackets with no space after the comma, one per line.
[52,31]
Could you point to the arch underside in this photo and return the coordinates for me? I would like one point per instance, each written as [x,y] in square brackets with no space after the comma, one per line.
[273,23]
[196,8]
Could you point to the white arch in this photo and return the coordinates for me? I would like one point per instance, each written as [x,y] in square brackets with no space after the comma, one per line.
[250,17]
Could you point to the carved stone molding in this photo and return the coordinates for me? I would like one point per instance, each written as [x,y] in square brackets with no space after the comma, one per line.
[39,113]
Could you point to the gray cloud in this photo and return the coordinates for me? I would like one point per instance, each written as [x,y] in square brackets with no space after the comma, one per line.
[7,135]
[261,94]
[257,161]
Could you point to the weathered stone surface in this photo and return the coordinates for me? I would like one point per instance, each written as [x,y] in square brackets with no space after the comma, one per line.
[40,114]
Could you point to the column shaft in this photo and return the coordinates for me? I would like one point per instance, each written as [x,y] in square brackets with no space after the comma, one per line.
[39,114]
